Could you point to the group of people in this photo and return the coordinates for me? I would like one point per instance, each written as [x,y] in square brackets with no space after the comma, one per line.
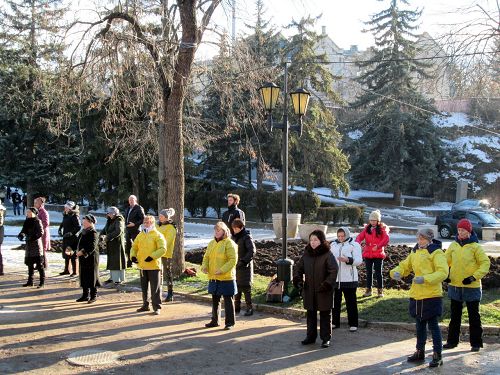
[18,201]
[326,271]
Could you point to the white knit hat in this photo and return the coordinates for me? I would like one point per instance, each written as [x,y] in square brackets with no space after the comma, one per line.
[375,215]
[70,205]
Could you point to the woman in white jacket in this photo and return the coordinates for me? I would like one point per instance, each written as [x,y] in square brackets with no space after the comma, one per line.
[347,252]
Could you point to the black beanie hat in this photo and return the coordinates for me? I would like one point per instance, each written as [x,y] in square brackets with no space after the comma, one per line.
[90,218]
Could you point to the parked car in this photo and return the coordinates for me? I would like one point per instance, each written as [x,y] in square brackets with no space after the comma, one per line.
[447,223]
[472,204]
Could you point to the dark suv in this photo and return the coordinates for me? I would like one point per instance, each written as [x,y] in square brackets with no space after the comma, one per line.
[447,223]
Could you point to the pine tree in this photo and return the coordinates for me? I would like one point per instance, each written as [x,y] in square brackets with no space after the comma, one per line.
[399,149]
[315,158]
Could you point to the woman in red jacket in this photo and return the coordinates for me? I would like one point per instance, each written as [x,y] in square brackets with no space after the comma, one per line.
[373,240]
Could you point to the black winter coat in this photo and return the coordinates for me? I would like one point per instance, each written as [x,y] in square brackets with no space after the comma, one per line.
[246,252]
[33,231]
[233,212]
[88,243]
[134,215]
[115,243]
[69,227]
[320,268]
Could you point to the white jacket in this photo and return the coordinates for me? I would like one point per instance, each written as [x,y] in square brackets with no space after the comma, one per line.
[347,274]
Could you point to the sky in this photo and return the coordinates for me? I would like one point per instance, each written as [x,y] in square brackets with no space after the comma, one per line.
[343,19]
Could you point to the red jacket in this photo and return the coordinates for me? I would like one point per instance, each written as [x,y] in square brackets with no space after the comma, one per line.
[371,240]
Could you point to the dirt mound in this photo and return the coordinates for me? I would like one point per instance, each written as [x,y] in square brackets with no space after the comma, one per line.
[269,251]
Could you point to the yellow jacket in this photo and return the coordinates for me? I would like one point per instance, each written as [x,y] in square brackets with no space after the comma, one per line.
[429,263]
[467,259]
[221,256]
[169,232]
[151,244]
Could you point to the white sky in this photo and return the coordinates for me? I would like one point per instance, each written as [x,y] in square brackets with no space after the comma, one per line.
[343,18]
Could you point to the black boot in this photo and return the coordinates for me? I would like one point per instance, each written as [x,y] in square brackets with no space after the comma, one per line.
[237,307]
[29,283]
[418,356]
[436,360]
[170,295]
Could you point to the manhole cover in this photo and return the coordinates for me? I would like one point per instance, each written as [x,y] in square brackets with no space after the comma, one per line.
[91,357]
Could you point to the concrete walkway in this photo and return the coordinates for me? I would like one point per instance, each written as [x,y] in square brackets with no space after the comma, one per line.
[40,328]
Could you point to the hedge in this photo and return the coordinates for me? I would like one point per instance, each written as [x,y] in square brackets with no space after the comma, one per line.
[338,215]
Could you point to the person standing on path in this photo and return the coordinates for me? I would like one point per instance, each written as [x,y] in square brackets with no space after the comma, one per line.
[373,240]
[168,229]
[32,232]
[147,249]
[428,264]
[244,267]
[468,265]
[9,191]
[25,202]
[2,218]
[347,252]
[43,215]
[114,236]
[16,202]
[134,216]
[233,212]
[68,230]
[219,263]
[87,251]
[315,274]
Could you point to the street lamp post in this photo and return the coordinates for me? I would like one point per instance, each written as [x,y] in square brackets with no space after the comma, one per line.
[300,99]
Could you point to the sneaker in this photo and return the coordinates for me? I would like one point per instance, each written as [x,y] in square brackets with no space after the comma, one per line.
[211,325]
[249,312]
[353,329]
[380,292]
[73,275]
[368,292]
[82,299]
[475,348]
[436,360]
[308,341]
[42,285]
[418,356]
[449,346]
[64,273]
[92,300]
[143,309]
[118,282]
[29,283]
[228,327]
[169,297]
[156,312]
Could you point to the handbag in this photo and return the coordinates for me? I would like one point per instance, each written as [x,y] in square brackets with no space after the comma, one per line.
[274,292]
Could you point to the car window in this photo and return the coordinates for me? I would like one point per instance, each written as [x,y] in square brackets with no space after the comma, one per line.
[458,214]
[472,217]
[488,218]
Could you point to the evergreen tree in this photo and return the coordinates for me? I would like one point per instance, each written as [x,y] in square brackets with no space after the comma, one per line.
[399,149]
[315,157]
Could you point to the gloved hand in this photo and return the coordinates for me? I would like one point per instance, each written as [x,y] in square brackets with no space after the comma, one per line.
[20,236]
[148,259]
[324,287]
[396,276]
[67,235]
[468,280]
[418,279]
[133,259]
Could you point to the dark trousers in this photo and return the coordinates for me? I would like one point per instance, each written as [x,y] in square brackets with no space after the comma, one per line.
[374,264]
[93,292]
[152,279]
[73,264]
[247,291]
[1,261]
[437,341]
[167,272]
[41,271]
[129,239]
[475,327]
[325,324]
[228,309]
[351,302]
[17,209]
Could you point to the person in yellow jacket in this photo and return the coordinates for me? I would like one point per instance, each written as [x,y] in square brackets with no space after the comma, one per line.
[428,264]
[219,262]
[468,265]
[167,227]
[147,249]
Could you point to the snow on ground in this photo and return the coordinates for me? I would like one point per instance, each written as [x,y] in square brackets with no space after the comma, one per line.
[452,119]
[356,134]
[402,212]
[438,206]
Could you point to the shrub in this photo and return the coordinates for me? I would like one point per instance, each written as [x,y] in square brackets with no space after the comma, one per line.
[339,215]
[262,204]
[191,203]
[305,203]
[215,199]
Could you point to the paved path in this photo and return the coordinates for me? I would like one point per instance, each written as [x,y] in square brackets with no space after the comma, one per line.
[40,328]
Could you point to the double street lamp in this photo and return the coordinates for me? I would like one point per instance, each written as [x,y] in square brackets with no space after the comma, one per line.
[300,99]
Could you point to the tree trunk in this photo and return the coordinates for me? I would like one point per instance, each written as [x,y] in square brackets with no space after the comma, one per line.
[260,170]
[397,194]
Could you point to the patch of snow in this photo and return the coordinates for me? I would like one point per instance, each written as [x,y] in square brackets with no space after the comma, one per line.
[491,177]
[356,134]
[403,212]
[438,206]
[465,165]
[451,119]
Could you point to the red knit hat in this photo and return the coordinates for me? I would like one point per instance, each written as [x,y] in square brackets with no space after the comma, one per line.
[465,224]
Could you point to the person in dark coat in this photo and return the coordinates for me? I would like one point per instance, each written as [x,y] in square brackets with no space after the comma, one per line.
[25,202]
[244,267]
[2,216]
[43,215]
[134,216]
[233,212]
[114,236]
[68,230]
[315,274]
[16,202]
[32,232]
[88,257]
